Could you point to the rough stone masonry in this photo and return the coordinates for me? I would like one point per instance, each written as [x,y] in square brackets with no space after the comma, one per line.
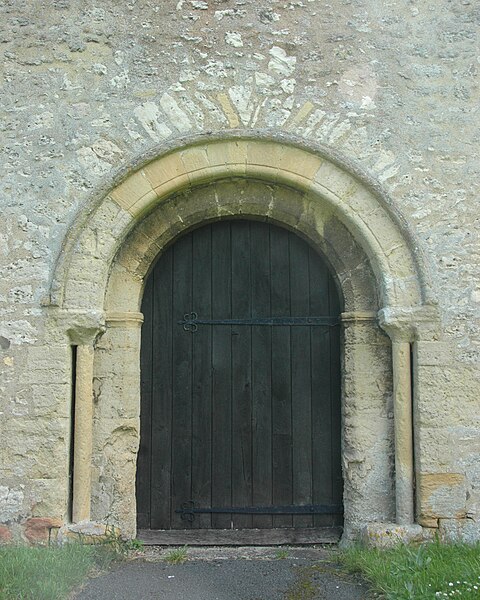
[354,122]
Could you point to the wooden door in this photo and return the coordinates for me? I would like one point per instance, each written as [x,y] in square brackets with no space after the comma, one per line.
[240,412]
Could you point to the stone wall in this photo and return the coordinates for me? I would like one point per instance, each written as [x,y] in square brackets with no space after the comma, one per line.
[91,89]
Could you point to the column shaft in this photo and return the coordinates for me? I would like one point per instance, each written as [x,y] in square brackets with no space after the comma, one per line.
[83,434]
[402,406]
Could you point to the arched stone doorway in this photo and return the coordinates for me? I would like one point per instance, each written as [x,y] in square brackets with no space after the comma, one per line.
[99,282]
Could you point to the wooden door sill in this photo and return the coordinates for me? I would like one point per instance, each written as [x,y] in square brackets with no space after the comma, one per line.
[240,537]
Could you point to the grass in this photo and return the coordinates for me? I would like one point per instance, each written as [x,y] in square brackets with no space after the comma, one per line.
[48,573]
[176,556]
[52,572]
[281,553]
[427,571]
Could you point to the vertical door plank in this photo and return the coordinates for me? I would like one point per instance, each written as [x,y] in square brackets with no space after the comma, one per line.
[301,379]
[145,450]
[321,405]
[182,380]
[162,394]
[202,376]
[241,337]
[261,373]
[221,374]
[281,376]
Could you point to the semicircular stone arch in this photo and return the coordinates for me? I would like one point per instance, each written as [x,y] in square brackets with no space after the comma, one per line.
[99,279]
[79,281]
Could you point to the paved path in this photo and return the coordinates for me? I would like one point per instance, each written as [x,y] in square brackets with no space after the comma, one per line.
[228,574]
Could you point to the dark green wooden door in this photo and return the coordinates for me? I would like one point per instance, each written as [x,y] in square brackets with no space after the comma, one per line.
[243,414]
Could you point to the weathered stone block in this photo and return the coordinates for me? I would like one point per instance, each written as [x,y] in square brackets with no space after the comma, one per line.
[232,154]
[164,169]
[38,530]
[335,180]
[441,495]
[428,522]
[459,530]
[195,159]
[131,190]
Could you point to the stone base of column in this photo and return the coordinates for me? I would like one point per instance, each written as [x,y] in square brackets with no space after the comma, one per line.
[388,535]
[87,532]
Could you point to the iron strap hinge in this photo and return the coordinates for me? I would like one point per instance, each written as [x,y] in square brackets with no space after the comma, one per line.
[188,510]
[191,321]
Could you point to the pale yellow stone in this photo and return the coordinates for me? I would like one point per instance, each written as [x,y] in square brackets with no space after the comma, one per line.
[359,199]
[143,204]
[123,292]
[292,165]
[231,155]
[383,228]
[335,180]
[124,319]
[164,169]
[389,535]
[399,259]
[428,522]
[266,153]
[301,115]
[441,495]
[195,159]
[82,455]
[402,408]
[172,186]
[262,172]
[229,111]
[131,190]
[358,316]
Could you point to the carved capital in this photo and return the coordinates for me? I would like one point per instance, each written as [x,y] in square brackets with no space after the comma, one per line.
[81,327]
[407,324]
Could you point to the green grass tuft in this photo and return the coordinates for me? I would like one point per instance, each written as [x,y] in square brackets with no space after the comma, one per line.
[176,556]
[427,571]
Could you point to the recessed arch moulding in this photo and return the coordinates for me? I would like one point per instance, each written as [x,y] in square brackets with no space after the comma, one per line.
[380,273]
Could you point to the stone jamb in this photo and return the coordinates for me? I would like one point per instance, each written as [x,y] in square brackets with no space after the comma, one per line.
[368,484]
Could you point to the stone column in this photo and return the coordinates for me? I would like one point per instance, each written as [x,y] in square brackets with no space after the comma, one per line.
[402,409]
[400,326]
[83,433]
